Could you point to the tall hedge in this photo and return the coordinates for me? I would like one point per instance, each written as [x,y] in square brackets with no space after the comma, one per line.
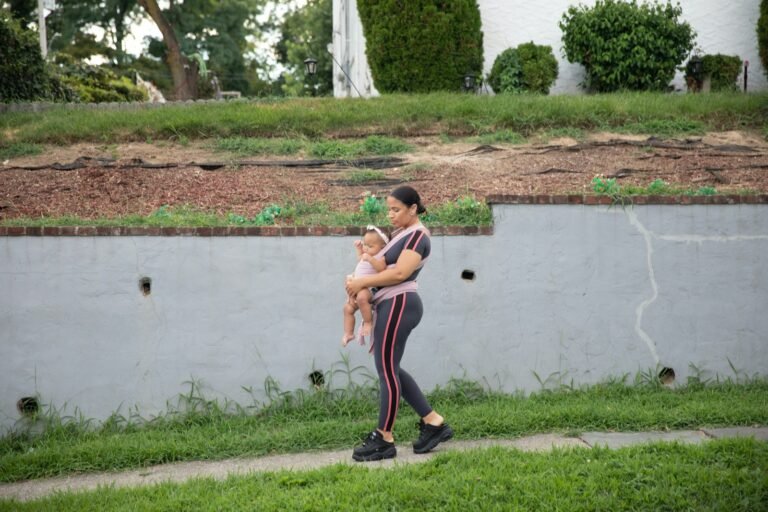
[422,45]
[24,75]
[762,35]
[626,45]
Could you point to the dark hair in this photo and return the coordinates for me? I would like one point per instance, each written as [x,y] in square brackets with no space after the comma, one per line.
[408,196]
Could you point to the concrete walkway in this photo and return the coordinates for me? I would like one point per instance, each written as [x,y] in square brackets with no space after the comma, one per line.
[183,471]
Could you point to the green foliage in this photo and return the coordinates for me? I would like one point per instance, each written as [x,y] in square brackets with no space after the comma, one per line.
[267,216]
[466,210]
[259,146]
[361,176]
[372,145]
[372,206]
[527,68]
[723,71]
[622,194]
[98,84]
[422,45]
[626,46]
[218,30]
[24,75]
[18,149]
[762,35]
[306,32]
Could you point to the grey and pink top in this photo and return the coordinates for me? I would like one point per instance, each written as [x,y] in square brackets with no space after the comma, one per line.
[415,238]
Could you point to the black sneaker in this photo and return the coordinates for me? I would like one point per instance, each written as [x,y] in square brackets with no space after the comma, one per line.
[374,447]
[431,436]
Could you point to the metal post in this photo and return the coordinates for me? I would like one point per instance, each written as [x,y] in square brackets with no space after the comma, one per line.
[746,68]
[41,28]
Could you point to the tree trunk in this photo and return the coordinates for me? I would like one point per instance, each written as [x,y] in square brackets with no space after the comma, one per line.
[183,71]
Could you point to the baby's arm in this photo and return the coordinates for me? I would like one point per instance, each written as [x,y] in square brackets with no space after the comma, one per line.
[378,264]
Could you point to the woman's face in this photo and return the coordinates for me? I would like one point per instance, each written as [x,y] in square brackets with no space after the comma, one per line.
[400,215]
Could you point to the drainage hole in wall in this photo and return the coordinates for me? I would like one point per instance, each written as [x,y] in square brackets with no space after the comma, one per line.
[27,406]
[468,275]
[317,379]
[667,375]
[145,285]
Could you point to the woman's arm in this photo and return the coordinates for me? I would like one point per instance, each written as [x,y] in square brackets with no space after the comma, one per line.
[405,265]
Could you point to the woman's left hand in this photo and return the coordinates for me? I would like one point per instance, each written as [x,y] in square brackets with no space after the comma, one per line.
[353,286]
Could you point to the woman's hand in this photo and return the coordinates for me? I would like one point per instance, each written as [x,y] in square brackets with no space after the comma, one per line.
[353,286]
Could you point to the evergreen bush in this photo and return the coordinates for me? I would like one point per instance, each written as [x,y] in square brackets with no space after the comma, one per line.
[762,35]
[626,46]
[422,45]
[527,68]
[24,75]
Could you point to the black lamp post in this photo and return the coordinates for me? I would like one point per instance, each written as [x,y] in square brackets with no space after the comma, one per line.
[311,66]
[469,82]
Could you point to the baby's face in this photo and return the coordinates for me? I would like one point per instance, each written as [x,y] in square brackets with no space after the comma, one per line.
[372,243]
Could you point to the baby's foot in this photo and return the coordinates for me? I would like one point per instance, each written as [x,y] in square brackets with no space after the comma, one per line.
[365,330]
[347,338]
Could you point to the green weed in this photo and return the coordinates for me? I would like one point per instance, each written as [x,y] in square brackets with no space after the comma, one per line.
[19,149]
[362,176]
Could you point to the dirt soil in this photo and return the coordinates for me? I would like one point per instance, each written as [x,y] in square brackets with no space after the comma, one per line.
[91,180]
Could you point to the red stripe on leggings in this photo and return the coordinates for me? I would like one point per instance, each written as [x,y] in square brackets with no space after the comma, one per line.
[389,374]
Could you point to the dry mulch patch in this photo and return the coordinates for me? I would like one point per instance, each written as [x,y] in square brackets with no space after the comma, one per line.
[97,181]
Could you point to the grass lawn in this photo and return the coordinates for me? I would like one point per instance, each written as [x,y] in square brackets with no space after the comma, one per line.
[719,475]
[395,115]
[202,429]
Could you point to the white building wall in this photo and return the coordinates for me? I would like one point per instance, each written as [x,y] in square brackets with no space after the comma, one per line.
[722,26]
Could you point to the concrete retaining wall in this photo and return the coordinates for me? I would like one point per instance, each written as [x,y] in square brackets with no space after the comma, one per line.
[563,292]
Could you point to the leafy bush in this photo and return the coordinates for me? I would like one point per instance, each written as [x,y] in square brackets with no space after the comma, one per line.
[529,67]
[98,84]
[24,75]
[723,71]
[762,35]
[623,45]
[422,45]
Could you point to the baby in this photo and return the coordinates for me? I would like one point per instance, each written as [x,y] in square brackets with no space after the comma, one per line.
[372,243]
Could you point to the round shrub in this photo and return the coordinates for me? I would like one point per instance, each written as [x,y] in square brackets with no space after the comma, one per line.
[762,35]
[422,45]
[529,67]
[623,45]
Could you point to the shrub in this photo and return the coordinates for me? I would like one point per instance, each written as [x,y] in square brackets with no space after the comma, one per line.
[98,84]
[623,45]
[24,75]
[422,45]
[529,67]
[723,70]
[762,35]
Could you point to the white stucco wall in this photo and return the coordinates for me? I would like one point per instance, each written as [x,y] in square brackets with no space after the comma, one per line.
[727,27]
[575,292]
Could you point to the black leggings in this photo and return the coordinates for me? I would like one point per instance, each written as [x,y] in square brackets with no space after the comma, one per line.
[395,319]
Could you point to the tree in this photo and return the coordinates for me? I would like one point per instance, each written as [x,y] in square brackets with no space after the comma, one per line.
[216,31]
[24,75]
[306,32]
[422,45]
[183,71]
[23,10]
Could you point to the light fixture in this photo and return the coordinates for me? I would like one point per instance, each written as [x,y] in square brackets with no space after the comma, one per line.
[311,65]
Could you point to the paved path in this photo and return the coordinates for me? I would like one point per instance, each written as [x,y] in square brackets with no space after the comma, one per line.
[183,471]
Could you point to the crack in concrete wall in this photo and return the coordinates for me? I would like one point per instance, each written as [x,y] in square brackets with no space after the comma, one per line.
[640,309]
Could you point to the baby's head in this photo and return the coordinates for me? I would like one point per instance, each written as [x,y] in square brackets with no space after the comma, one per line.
[373,240]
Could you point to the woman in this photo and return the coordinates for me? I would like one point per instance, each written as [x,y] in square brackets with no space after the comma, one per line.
[398,310]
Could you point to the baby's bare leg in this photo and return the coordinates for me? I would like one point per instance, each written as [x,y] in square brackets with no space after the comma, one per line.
[349,321]
[363,301]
